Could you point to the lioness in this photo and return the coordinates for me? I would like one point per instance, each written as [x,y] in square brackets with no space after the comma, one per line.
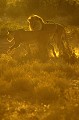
[30,37]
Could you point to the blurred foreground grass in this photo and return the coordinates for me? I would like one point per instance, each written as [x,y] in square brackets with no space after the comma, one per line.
[38,91]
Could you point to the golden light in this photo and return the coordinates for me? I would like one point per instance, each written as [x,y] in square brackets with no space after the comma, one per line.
[56,52]
[76,51]
[12,1]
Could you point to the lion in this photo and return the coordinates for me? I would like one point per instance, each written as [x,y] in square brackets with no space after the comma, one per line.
[29,37]
[54,33]
[21,36]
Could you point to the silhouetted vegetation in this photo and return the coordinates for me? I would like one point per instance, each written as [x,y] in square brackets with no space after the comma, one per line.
[48,9]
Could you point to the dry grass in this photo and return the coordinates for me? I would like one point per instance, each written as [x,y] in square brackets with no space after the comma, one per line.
[35,90]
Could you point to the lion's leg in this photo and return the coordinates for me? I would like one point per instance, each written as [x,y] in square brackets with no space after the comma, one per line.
[52,38]
[67,49]
[28,49]
[60,43]
[65,41]
[15,45]
[51,47]
[43,52]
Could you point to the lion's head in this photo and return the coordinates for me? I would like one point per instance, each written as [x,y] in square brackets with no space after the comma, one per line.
[35,22]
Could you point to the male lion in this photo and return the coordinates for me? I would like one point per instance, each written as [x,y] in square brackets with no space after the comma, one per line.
[54,33]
